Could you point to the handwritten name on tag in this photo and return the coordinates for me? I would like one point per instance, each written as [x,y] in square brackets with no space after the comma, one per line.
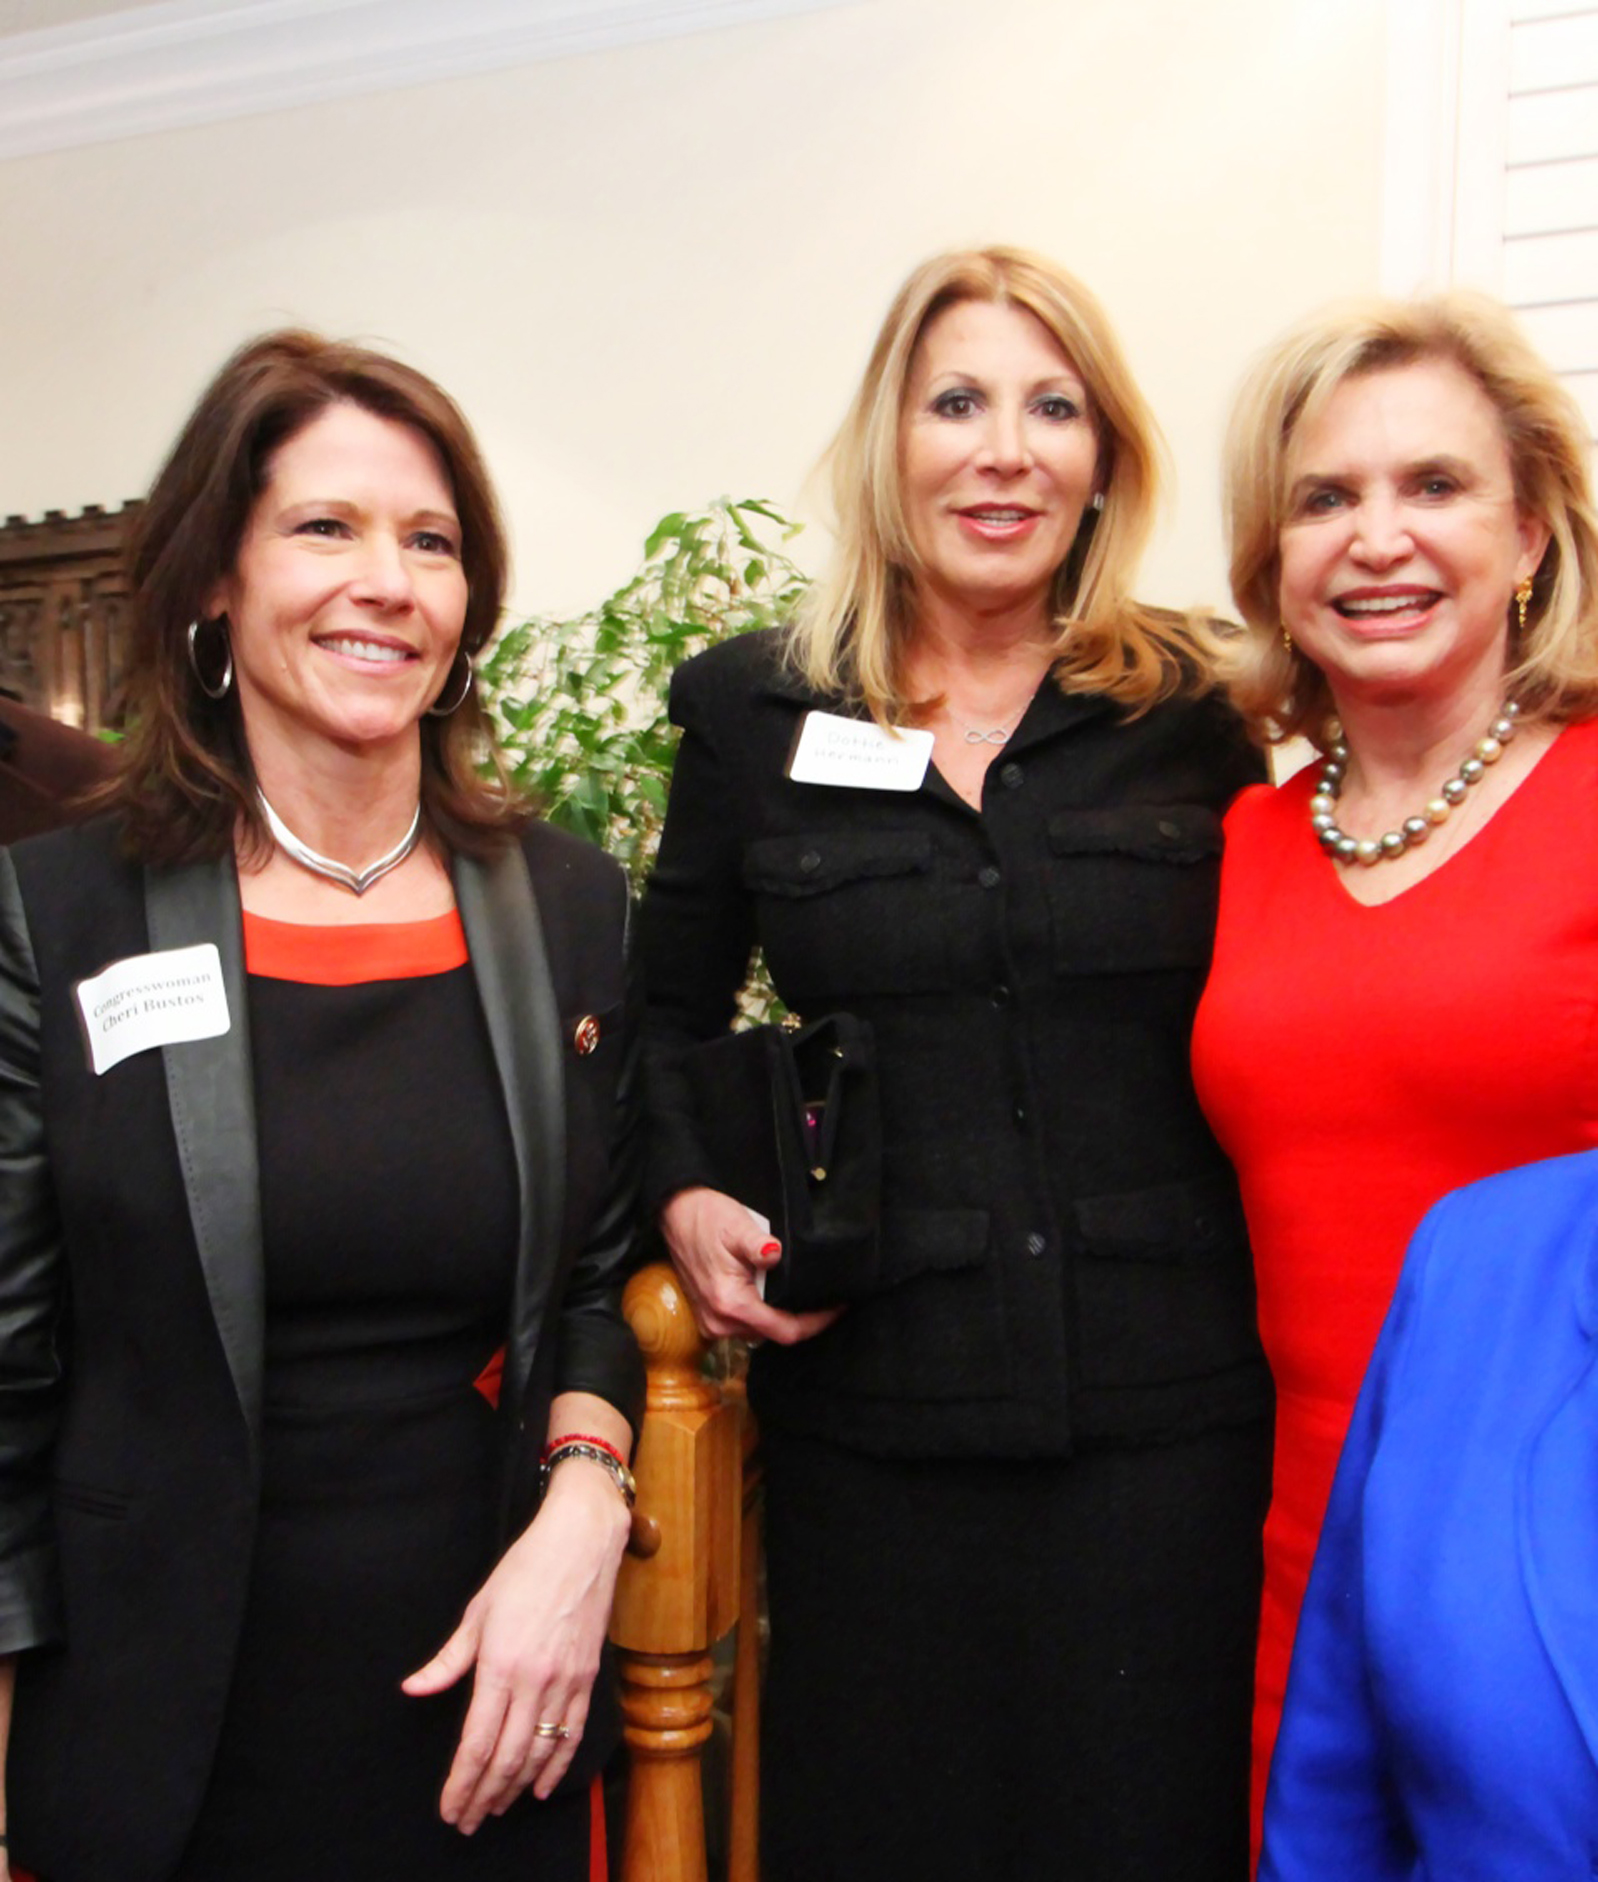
[161,999]
[859,753]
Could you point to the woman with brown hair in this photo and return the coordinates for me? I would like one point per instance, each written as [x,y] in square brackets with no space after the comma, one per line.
[973,800]
[1401,1000]
[315,1194]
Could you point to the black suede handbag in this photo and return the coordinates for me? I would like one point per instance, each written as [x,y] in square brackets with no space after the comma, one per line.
[791,1118]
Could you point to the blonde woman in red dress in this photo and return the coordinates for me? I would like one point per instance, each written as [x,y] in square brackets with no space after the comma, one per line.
[1405,989]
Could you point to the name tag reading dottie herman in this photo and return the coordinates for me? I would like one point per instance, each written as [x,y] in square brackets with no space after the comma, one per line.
[859,753]
[160,999]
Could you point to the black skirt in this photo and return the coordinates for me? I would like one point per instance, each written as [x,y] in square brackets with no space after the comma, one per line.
[1031,1670]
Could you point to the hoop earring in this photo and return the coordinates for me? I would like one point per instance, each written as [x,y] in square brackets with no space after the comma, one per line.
[224,685]
[1522,603]
[436,711]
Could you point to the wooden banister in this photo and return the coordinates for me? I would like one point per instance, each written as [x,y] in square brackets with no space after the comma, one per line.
[676,1601]
[743,1797]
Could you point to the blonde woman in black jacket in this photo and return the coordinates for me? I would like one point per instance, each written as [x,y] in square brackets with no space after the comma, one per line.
[1015,1486]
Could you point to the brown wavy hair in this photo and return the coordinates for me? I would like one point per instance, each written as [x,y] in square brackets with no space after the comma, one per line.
[849,638]
[186,786]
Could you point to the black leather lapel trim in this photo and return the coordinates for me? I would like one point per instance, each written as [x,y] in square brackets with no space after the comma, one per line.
[505,940]
[211,1091]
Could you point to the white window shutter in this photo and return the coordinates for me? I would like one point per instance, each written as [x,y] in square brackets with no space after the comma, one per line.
[1493,165]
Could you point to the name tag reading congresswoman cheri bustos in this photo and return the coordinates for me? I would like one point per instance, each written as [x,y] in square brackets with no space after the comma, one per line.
[162,999]
[858,753]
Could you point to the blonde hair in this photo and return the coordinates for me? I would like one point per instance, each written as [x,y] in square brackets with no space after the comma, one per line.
[850,634]
[1554,674]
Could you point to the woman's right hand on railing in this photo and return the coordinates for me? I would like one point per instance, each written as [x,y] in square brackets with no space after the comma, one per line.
[719,1249]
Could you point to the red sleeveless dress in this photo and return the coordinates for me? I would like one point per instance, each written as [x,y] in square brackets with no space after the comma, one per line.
[1357,1064]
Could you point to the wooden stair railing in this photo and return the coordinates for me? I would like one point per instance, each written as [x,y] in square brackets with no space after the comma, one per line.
[679,1594]
[743,1801]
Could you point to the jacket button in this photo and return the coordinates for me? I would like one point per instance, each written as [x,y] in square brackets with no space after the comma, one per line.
[988,876]
[1035,1244]
[1169,829]
[1010,776]
[1020,1117]
[585,1035]
[1001,995]
[810,862]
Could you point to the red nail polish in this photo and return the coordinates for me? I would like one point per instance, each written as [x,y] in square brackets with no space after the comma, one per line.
[769,1251]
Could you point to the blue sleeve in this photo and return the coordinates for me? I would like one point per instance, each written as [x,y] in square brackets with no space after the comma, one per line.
[1331,1812]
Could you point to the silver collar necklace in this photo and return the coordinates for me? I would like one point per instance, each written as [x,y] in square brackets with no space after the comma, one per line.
[357,882]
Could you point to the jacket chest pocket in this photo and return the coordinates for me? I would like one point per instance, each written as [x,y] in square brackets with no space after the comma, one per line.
[1133,889]
[849,912]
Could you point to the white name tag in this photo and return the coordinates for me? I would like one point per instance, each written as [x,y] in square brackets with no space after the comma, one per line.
[858,752]
[153,1000]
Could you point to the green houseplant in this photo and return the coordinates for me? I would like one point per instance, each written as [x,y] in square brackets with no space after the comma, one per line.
[580,704]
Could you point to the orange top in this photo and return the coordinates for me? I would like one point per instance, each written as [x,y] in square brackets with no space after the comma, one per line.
[344,956]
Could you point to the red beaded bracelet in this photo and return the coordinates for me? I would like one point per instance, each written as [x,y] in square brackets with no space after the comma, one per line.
[580,1437]
[597,1451]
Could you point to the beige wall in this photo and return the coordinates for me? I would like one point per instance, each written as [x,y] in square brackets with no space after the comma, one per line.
[650,275]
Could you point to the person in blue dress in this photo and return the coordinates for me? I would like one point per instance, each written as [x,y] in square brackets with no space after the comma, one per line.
[1442,1710]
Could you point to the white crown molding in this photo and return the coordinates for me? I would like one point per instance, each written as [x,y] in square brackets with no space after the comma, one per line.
[184,62]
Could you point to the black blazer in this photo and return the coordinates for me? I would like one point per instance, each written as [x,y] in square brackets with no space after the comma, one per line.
[131,1312]
[1063,1255]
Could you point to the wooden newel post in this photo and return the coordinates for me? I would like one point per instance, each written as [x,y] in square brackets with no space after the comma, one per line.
[675,1601]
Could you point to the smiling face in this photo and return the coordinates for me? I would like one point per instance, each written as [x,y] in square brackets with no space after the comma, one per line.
[1403,543]
[998,457]
[347,599]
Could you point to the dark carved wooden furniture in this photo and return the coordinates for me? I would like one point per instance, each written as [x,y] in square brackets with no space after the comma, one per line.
[62,612]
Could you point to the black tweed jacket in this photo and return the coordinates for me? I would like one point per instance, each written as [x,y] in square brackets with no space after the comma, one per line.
[1065,1259]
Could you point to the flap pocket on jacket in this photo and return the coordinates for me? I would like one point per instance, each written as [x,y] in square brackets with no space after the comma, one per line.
[1134,888]
[845,914]
[1154,833]
[1171,1222]
[931,1241]
[937,1331]
[810,865]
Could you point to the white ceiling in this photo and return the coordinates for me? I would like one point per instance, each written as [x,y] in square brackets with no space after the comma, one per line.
[27,16]
[90,71]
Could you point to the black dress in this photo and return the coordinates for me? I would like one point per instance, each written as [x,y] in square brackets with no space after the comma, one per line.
[389,1212]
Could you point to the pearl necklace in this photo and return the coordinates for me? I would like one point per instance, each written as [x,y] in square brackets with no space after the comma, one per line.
[357,882]
[1413,830]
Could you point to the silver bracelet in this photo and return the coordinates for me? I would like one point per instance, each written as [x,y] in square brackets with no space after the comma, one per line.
[621,1476]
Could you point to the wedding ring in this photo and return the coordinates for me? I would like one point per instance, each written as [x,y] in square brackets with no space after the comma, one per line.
[544,1729]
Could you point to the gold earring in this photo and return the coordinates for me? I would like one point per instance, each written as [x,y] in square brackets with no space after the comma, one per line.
[1287,642]
[1522,602]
